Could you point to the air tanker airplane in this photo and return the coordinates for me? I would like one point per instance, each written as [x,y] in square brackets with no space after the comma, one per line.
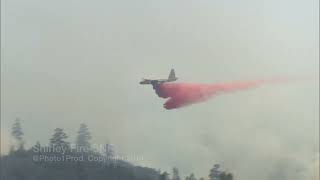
[172,77]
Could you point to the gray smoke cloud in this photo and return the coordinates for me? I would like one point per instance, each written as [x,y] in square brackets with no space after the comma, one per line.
[66,63]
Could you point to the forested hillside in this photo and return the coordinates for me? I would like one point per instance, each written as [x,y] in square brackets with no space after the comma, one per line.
[62,160]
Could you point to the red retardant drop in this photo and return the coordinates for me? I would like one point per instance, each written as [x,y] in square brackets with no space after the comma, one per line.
[183,94]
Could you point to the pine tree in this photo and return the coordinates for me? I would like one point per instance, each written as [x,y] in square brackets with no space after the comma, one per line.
[164,176]
[175,174]
[59,138]
[214,172]
[83,138]
[226,176]
[17,134]
[229,176]
[191,177]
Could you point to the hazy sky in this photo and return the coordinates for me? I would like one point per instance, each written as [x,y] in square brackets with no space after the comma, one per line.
[71,62]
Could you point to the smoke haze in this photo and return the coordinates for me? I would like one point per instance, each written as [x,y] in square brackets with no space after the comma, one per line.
[71,62]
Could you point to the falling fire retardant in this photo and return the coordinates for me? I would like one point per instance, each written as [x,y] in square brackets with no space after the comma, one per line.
[183,94]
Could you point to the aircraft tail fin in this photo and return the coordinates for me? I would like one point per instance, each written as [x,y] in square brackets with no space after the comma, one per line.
[172,75]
